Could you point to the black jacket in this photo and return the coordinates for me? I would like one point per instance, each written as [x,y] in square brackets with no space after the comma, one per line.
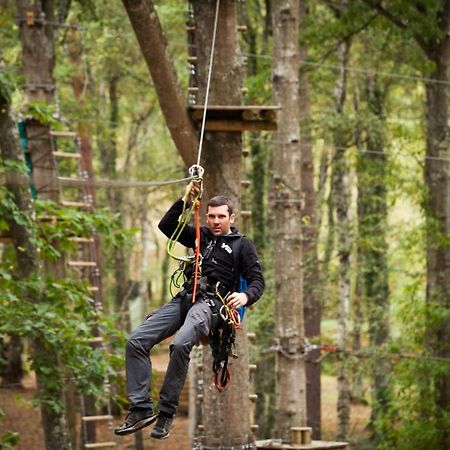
[218,264]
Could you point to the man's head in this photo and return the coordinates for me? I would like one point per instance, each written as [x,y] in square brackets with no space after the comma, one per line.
[219,216]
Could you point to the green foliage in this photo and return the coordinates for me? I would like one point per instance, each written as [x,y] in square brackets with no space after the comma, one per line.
[43,113]
[7,86]
[57,315]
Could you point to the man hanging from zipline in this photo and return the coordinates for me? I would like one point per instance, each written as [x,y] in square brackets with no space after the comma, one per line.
[206,304]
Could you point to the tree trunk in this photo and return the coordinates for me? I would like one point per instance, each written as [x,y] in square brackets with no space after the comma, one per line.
[341,192]
[311,281]
[286,202]
[224,424]
[438,225]
[372,254]
[33,42]
[151,39]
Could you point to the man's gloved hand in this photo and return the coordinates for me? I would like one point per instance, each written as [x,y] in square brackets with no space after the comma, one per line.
[192,189]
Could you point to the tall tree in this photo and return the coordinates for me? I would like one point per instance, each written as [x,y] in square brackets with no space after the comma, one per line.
[372,239]
[311,281]
[286,208]
[341,193]
[428,23]
[37,37]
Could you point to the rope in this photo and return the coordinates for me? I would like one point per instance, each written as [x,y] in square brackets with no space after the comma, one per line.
[197,250]
[202,130]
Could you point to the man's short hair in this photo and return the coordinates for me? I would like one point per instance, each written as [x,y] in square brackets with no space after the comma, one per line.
[220,200]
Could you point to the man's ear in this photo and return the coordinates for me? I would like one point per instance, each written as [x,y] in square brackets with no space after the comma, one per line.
[232,216]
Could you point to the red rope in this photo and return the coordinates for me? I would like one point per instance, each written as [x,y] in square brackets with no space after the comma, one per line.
[197,249]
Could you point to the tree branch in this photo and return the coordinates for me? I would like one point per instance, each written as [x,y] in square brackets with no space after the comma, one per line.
[150,36]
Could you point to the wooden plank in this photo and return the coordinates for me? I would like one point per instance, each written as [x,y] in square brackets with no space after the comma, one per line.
[72,182]
[71,134]
[82,240]
[236,107]
[270,444]
[67,154]
[82,263]
[239,125]
[96,418]
[82,205]
[100,445]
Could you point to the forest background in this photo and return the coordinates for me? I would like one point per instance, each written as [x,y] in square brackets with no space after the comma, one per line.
[373,139]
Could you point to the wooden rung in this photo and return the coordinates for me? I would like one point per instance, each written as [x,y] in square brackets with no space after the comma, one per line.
[192,89]
[77,204]
[82,240]
[251,336]
[200,397]
[67,154]
[245,152]
[200,427]
[245,214]
[241,28]
[96,340]
[190,29]
[245,183]
[82,263]
[252,367]
[100,445]
[192,59]
[72,182]
[93,288]
[63,133]
[253,397]
[96,418]
[254,427]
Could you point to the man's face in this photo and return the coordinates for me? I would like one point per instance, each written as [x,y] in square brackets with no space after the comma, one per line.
[219,220]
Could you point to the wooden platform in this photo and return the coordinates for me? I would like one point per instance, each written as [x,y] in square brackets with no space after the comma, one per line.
[236,117]
[271,444]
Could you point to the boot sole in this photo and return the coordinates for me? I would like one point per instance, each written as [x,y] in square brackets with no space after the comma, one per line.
[137,426]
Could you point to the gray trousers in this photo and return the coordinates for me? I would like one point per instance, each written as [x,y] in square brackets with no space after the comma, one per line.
[164,323]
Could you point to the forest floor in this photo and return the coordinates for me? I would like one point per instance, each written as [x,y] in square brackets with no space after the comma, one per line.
[22,417]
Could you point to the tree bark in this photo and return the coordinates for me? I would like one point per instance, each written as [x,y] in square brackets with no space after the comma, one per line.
[38,62]
[341,192]
[150,36]
[311,280]
[438,224]
[224,424]
[372,249]
[286,202]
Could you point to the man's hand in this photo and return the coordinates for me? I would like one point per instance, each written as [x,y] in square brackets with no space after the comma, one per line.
[192,189]
[237,299]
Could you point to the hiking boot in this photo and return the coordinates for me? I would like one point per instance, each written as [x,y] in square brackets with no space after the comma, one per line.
[162,427]
[135,420]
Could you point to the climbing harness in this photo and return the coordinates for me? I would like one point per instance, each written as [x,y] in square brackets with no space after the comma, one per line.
[229,315]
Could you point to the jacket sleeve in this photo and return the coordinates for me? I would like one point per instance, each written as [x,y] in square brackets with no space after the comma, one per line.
[250,268]
[169,223]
